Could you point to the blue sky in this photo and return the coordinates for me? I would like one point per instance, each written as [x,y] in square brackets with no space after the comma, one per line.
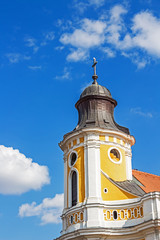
[46,51]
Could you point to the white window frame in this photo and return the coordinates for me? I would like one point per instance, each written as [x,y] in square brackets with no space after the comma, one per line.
[70,186]
[120,161]
[69,162]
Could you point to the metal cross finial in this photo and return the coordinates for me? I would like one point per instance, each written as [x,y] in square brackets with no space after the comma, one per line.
[94,65]
[95,75]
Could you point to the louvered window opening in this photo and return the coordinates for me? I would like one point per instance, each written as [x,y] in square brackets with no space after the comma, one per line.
[73,158]
[74,188]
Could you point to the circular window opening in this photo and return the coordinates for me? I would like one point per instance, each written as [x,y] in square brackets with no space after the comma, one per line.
[115,155]
[105,190]
[73,158]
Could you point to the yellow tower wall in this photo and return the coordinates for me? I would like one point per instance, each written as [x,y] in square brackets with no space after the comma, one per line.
[79,166]
[113,193]
[116,171]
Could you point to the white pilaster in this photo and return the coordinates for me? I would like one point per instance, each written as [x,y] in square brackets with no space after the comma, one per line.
[92,161]
[86,166]
[152,236]
[65,181]
[128,158]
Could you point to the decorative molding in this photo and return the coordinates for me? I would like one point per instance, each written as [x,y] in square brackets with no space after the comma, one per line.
[123,214]
[69,162]
[74,218]
[95,131]
[128,233]
[70,186]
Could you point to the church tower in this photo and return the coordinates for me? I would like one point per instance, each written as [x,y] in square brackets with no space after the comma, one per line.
[101,198]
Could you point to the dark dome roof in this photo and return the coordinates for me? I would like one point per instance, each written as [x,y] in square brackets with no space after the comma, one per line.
[96,109]
[95,89]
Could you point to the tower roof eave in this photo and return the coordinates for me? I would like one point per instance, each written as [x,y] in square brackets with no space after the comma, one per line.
[82,132]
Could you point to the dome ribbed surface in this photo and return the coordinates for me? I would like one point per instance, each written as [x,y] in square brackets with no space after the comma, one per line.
[95,89]
[96,109]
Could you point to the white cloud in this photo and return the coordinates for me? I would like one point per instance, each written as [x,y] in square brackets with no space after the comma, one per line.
[59,22]
[89,35]
[111,34]
[13,57]
[138,111]
[98,3]
[65,75]
[59,48]
[140,62]
[64,25]
[146,30]
[16,57]
[94,33]
[34,68]
[143,35]
[81,38]
[81,6]
[136,58]
[18,174]
[109,52]
[93,26]
[116,12]
[31,42]
[48,211]
[77,55]
[116,26]
[49,36]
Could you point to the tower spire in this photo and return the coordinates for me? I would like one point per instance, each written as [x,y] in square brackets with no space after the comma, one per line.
[94,75]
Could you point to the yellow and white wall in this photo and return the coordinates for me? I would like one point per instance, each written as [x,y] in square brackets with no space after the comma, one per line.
[94,168]
[94,165]
[99,199]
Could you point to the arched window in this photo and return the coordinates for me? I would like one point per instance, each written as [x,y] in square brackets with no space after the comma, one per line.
[74,188]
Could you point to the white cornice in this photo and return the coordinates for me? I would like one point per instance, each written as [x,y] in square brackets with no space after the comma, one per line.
[116,233]
[113,204]
[87,131]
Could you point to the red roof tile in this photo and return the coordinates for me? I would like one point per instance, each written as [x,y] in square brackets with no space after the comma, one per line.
[151,182]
